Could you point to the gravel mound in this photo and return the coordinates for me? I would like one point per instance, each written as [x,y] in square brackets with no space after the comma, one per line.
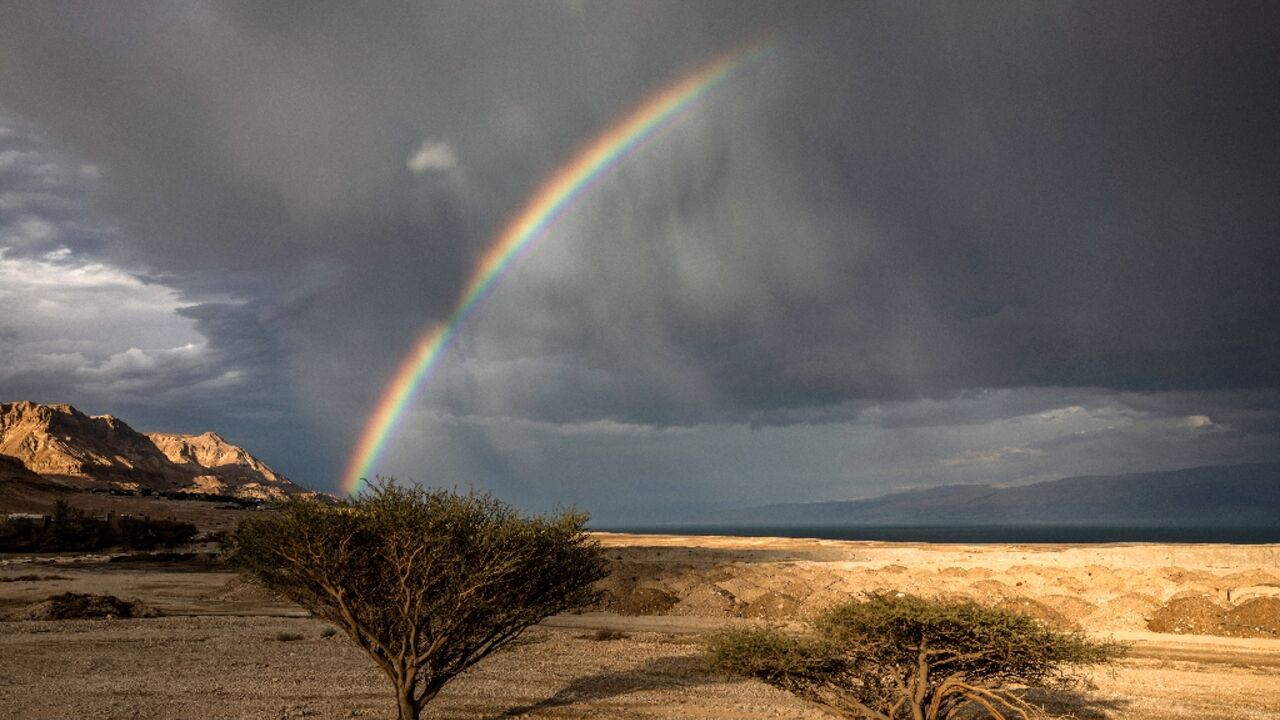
[772,606]
[238,589]
[1039,611]
[643,601]
[1128,611]
[1070,607]
[1259,617]
[1193,615]
[81,606]
[708,600]
[1256,618]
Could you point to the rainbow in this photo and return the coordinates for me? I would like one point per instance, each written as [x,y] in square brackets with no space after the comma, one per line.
[555,194]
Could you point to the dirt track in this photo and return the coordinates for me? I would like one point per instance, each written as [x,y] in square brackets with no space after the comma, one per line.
[218,653]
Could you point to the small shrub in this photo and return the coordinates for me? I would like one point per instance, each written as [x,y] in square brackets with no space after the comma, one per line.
[328,632]
[900,656]
[607,634]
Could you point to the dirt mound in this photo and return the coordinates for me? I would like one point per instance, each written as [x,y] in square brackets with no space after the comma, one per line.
[710,600]
[1130,611]
[642,601]
[1259,617]
[1039,611]
[965,573]
[1188,615]
[238,589]
[83,606]
[772,606]
[1182,576]
[1070,607]
[990,591]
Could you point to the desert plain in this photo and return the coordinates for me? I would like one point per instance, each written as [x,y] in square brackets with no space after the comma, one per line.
[1203,622]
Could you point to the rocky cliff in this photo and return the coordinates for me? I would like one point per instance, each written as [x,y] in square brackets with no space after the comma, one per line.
[67,447]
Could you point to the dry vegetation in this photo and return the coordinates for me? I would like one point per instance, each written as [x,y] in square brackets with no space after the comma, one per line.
[890,655]
[426,582]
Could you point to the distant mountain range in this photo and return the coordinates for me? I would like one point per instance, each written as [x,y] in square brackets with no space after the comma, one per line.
[1233,495]
[56,447]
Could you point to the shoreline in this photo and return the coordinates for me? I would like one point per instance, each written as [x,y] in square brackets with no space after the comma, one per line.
[1266,554]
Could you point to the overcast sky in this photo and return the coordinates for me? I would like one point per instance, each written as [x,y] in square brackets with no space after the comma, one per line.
[909,245]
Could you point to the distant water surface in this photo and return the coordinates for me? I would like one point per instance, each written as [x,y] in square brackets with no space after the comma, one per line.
[974,534]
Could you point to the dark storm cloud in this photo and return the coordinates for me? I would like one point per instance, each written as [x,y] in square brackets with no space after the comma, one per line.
[42,195]
[931,200]
[240,137]
[906,216]
[235,329]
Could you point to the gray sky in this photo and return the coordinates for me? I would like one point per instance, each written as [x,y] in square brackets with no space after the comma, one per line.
[910,245]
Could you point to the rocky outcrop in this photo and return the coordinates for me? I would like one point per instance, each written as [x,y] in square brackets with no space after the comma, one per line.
[219,465]
[62,442]
[65,446]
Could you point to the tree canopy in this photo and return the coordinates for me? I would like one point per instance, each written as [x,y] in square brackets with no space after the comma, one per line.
[427,582]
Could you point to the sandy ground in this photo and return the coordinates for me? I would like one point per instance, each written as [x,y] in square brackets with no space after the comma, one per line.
[226,650]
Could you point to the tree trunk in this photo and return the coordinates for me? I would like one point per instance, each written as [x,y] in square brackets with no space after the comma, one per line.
[409,710]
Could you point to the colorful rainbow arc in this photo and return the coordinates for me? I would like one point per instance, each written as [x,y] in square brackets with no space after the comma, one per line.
[556,193]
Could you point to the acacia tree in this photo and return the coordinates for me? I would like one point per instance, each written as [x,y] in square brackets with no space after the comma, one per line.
[427,582]
[895,656]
